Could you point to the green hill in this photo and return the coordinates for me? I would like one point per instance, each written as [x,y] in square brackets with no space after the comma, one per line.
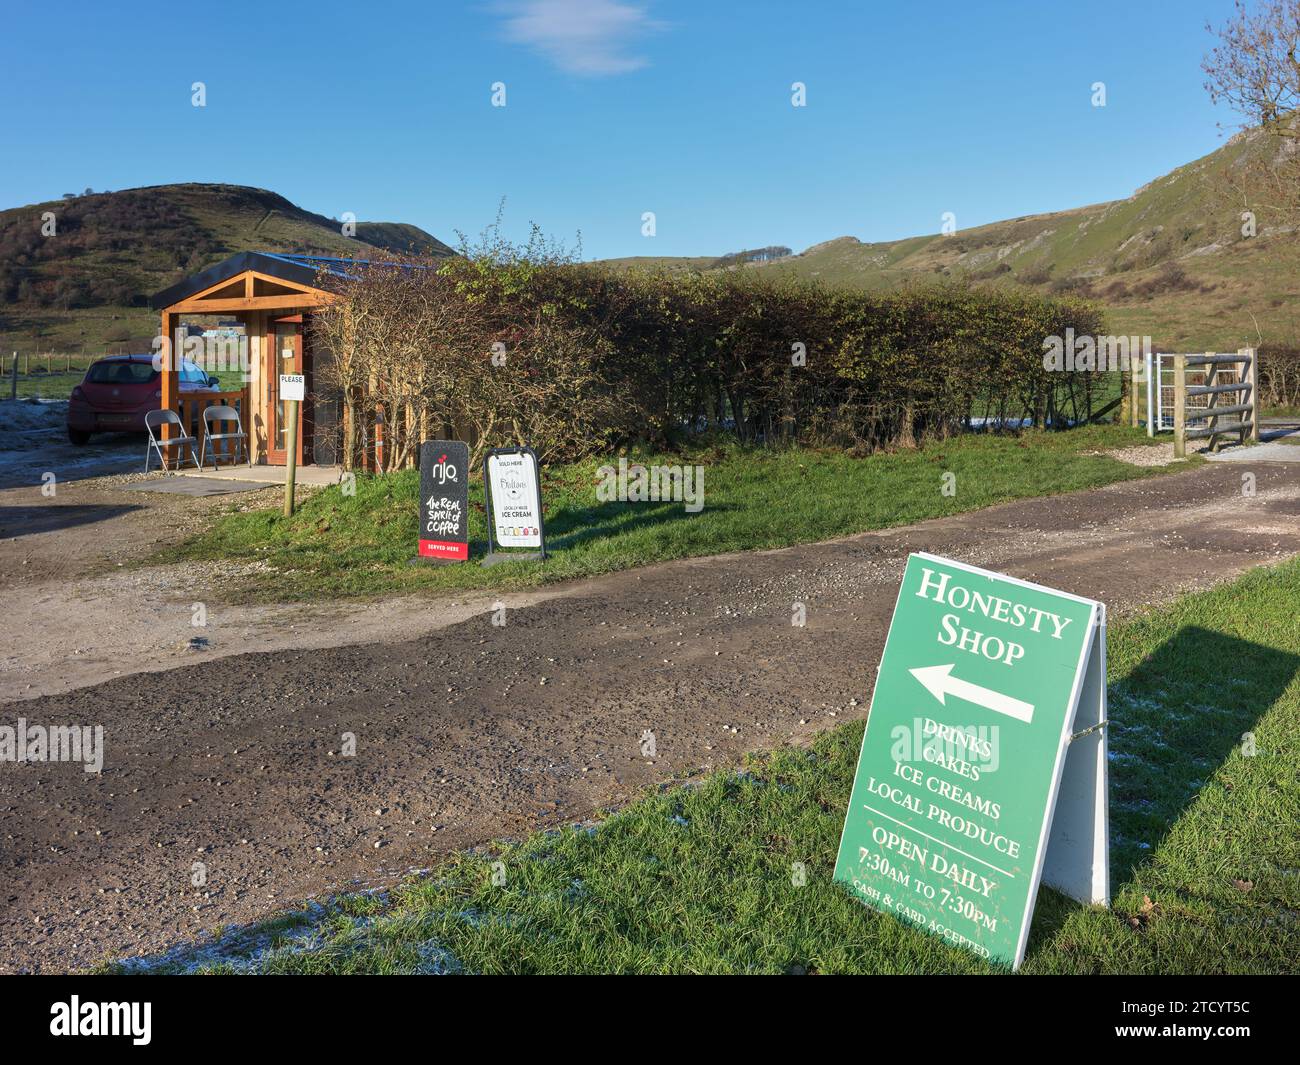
[1170,261]
[86,287]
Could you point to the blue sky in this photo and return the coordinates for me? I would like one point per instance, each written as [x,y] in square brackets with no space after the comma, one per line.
[614,108]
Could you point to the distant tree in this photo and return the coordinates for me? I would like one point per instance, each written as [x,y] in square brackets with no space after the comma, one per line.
[1255,70]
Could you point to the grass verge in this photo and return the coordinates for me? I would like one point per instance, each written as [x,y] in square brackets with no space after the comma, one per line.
[56,385]
[702,876]
[338,545]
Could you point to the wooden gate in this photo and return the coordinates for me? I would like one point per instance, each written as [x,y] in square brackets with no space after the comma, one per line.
[1235,376]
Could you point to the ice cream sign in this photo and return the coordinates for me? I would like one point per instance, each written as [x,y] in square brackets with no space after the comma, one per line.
[515,498]
[983,768]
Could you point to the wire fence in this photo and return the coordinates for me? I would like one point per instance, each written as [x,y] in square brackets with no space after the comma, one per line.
[48,363]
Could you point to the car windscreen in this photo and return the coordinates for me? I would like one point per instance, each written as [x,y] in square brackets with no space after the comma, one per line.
[121,373]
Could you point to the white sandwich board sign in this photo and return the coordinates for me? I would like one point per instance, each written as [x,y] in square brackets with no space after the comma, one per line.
[514,499]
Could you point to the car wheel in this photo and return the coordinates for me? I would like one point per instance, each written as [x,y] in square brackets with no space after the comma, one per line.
[79,437]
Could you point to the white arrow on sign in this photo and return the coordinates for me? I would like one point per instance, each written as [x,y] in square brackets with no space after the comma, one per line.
[939,681]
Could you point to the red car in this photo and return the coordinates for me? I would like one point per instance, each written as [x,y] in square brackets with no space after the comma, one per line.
[118,391]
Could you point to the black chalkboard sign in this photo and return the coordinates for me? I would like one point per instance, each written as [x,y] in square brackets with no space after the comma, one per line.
[444,500]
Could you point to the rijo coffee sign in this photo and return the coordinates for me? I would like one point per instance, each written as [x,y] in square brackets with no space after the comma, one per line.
[444,500]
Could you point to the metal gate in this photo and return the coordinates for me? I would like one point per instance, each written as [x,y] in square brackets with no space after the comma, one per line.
[1164,391]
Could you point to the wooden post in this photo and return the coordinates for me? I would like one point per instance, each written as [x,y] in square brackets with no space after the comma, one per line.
[169,381]
[13,378]
[1180,406]
[291,457]
[349,432]
[1150,364]
[1212,401]
[1252,378]
[1240,370]
[1134,410]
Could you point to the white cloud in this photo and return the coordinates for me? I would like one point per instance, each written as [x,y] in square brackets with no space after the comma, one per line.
[587,37]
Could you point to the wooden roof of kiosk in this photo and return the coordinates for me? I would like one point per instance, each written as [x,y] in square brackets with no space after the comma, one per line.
[253,280]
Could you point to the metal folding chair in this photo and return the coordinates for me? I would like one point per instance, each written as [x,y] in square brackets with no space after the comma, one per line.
[156,419]
[223,414]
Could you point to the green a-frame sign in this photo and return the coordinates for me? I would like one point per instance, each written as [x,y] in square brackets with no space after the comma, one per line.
[983,768]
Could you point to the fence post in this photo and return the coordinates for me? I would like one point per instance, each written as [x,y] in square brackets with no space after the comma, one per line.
[1134,410]
[1241,371]
[13,378]
[1252,379]
[1148,360]
[1212,400]
[1180,406]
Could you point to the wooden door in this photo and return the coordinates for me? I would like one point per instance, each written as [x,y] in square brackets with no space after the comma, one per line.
[285,355]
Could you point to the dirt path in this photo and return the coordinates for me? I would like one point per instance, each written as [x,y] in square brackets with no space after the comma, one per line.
[469,731]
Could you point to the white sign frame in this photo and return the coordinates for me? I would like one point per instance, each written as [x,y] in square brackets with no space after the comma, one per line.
[517,500]
[1076,858]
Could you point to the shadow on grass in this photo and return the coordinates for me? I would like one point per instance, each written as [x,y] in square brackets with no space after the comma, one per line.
[1175,720]
[572,527]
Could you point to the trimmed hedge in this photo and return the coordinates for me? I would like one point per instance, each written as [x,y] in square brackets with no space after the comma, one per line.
[772,359]
[588,359]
